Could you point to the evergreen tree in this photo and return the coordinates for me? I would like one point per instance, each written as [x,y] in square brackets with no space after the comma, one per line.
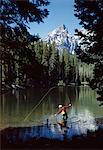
[67,65]
[15,39]
[73,71]
[45,63]
[53,64]
[62,65]
[21,12]
[38,46]
[90,13]
[16,54]
[45,56]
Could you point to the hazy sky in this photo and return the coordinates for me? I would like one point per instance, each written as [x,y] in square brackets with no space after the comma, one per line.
[60,12]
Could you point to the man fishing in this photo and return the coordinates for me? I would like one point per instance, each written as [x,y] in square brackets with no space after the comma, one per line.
[62,121]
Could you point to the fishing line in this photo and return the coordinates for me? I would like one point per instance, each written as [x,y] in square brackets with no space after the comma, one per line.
[38,103]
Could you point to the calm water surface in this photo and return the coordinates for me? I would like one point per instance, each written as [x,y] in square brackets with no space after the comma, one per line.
[22,108]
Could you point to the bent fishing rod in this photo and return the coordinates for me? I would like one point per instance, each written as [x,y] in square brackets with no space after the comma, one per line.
[27,116]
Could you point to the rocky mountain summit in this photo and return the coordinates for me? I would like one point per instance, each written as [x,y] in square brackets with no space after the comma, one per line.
[62,38]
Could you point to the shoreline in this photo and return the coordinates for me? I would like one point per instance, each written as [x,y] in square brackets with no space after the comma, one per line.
[7,88]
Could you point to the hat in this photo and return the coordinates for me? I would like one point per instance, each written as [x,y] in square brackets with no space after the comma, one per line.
[60,106]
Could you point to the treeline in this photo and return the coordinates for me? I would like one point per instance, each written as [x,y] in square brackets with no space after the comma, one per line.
[37,63]
[28,63]
[60,65]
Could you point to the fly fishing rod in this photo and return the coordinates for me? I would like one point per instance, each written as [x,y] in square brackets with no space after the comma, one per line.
[27,116]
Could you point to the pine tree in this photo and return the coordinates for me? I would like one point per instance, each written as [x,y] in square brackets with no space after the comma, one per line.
[90,14]
[38,46]
[53,64]
[15,39]
[45,63]
[21,12]
[67,65]
[62,66]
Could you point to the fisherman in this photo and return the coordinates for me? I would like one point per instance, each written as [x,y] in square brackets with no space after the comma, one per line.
[63,115]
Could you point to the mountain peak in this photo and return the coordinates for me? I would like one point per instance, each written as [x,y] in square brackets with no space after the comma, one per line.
[62,26]
[62,38]
[59,30]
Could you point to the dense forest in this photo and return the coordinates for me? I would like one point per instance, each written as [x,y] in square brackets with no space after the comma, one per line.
[90,50]
[28,61]
[15,39]
[40,64]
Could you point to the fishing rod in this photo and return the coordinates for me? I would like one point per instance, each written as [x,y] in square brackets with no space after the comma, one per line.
[27,116]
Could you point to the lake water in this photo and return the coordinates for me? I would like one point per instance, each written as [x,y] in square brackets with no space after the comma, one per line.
[22,108]
[33,112]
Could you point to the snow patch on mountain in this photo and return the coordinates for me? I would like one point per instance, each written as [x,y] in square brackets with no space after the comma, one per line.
[62,39]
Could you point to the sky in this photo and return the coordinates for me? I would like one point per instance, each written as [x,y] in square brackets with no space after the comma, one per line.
[60,12]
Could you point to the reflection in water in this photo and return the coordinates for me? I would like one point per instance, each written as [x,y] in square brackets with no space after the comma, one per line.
[16,105]
[78,125]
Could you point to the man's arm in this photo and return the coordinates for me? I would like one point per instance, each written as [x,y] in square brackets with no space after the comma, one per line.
[67,106]
[63,108]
